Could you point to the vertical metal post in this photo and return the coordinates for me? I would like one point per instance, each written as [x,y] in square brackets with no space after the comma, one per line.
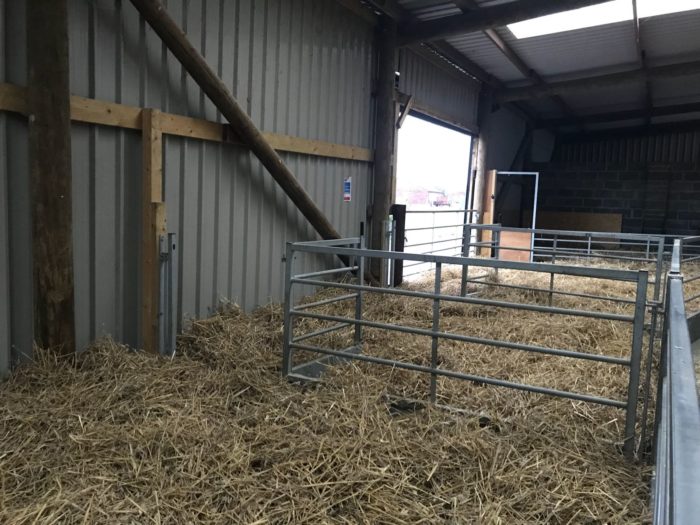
[635,361]
[496,238]
[661,383]
[551,275]
[466,248]
[652,337]
[588,252]
[288,331]
[167,299]
[436,328]
[162,292]
[358,299]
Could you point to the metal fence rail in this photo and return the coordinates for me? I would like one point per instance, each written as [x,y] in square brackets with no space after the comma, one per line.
[444,236]
[355,289]
[676,484]
[690,260]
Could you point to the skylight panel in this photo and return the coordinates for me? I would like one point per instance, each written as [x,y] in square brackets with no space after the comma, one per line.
[597,15]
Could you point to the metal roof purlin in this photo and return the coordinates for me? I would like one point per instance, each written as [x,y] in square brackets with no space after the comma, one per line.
[641,54]
[470,5]
[486,18]
[445,52]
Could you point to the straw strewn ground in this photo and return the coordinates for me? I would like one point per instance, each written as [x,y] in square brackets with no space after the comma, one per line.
[216,436]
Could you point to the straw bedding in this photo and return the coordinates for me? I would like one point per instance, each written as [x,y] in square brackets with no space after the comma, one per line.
[216,436]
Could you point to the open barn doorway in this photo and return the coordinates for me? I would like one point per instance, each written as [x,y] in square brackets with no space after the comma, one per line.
[432,181]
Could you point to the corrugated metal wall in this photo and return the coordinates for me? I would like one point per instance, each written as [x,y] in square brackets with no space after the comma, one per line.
[299,67]
[664,147]
[440,91]
[4,226]
[504,131]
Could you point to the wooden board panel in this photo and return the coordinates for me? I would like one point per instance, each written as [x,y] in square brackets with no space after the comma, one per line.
[153,225]
[515,240]
[91,111]
[579,221]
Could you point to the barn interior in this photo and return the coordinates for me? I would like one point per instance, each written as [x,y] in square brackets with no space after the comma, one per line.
[349,261]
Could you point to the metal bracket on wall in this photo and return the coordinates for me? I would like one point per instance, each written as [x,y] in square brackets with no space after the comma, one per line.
[167,307]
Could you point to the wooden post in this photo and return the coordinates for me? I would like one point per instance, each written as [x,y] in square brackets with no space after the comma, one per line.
[48,104]
[153,225]
[176,41]
[384,173]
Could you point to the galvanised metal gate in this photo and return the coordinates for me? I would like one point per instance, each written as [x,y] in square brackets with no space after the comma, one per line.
[354,289]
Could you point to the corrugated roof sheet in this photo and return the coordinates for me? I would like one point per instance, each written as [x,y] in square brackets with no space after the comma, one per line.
[481,50]
[585,52]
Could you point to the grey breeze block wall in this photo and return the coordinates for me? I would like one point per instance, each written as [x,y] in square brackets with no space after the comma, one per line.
[653,181]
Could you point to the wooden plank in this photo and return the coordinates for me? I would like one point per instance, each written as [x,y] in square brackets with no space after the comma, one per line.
[579,221]
[48,103]
[153,225]
[318,148]
[13,98]
[91,111]
[515,240]
[192,128]
[105,113]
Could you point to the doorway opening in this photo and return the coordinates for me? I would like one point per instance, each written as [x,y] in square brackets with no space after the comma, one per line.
[432,179]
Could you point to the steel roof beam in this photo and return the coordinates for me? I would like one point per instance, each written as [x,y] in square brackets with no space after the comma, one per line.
[641,55]
[471,5]
[601,81]
[486,18]
[660,111]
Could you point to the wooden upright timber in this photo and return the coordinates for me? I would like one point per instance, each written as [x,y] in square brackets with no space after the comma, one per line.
[152,227]
[90,111]
[48,106]
[176,41]
[384,173]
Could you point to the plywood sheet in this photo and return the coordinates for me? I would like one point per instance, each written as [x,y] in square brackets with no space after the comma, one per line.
[579,221]
[521,240]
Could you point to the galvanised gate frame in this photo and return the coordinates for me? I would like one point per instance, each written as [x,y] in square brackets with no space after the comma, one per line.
[676,483]
[357,255]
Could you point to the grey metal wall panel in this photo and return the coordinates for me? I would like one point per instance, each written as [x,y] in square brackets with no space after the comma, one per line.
[504,131]
[5,308]
[451,95]
[18,209]
[299,67]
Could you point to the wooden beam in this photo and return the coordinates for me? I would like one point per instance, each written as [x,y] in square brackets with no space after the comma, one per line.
[91,111]
[153,225]
[488,17]
[216,90]
[617,116]
[48,105]
[589,83]
[384,165]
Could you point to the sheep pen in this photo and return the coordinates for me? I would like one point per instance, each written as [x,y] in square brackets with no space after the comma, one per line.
[216,435]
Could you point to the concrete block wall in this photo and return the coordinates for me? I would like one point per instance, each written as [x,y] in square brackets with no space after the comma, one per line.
[652,198]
